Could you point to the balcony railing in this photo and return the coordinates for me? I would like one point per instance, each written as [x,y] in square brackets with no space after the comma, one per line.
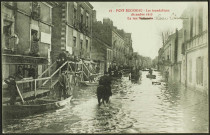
[197,41]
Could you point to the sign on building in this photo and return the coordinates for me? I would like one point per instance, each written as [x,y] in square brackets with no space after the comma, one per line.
[45,38]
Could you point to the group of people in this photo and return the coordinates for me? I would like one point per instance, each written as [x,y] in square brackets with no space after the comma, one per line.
[115,71]
[19,75]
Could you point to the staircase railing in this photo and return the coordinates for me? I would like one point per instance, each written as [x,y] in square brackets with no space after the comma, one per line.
[35,81]
[59,69]
[46,79]
[48,69]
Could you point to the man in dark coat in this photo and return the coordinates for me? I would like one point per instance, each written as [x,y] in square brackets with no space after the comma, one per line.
[106,82]
[63,81]
[10,81]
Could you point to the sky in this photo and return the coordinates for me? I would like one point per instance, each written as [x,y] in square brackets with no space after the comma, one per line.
[146,34]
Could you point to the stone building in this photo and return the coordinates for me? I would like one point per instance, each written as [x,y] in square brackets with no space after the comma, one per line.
[185,53]
[116,44]
[195,46]
[73,31]
[26,29]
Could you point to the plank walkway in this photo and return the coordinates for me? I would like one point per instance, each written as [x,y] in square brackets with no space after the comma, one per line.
[26,95]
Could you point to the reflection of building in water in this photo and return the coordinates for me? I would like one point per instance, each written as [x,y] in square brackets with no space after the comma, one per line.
[185,53]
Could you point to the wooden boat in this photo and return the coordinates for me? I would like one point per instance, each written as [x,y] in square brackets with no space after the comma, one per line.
[87,83]
[33,107]
[156,83]
[151,76]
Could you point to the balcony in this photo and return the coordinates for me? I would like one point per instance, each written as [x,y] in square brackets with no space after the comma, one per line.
[197,41]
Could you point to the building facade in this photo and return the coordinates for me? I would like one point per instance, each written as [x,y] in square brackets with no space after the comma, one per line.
[26,36]
[73,31]
[116,43]
[195,46]
[185,53]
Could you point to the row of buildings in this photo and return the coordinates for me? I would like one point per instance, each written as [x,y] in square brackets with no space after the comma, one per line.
[34,33]
[185,53]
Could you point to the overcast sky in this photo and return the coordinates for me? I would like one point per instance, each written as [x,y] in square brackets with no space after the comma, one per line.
[146,34]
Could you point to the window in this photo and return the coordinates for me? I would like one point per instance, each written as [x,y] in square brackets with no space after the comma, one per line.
[199,71]
[86,44]
[87,18]
[81,16]
[168,57]
[200,20]
[75,41]
[34,42]
[81,44]
[75,16]
[7,32]
[191,27]
[183,48]
[35,10]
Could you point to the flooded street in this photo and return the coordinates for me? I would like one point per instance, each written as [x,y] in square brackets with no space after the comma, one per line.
[135,108]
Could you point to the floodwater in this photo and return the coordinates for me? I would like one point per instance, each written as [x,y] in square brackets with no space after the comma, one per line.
[135,108]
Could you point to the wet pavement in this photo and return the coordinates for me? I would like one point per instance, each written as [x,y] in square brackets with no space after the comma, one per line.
[138,107]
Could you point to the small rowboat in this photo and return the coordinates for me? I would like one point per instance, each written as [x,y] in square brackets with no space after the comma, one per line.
[33,107]
[87,83]
[151,76]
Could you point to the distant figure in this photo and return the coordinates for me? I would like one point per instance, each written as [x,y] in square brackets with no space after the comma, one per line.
[166,75]
[97,69]
[62,58]
[110,71]
[63,85]
[150,71]
[31,73]
[19,72]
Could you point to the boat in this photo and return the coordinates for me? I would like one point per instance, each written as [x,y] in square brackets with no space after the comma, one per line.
[151,76]
[87,83]
[33,107]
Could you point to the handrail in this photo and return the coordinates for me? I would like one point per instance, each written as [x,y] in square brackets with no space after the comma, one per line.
[85,74]
[55,72]
[31,80]
[86,67]
[47,69]
[58,69]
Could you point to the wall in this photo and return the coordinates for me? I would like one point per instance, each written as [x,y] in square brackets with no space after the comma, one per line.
[192,56]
